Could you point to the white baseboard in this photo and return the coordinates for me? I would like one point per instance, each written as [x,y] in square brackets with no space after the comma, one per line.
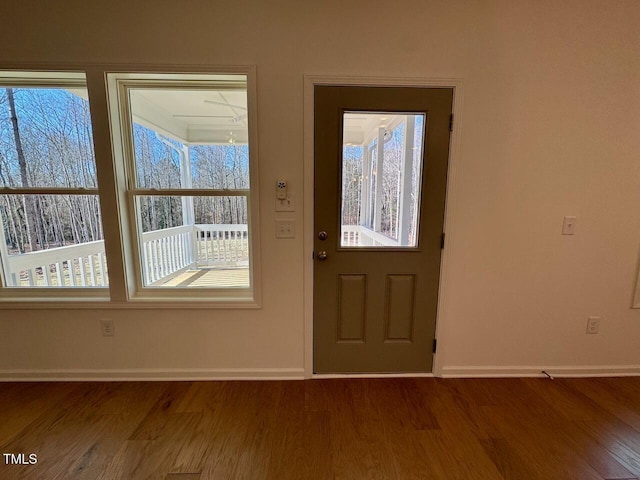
[554,371]
[323,376]
[150,374]
[194,374]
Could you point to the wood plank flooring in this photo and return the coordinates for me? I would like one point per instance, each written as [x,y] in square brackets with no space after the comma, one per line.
[409,428]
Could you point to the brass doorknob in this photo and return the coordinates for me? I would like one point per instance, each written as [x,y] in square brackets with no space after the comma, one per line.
[322,255]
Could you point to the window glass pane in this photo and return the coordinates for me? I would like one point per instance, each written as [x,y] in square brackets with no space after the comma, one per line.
[393,161]
[220,166]
[52,241]
[200,241]
[46,138]
[381,179]
[158,159]
[190,138]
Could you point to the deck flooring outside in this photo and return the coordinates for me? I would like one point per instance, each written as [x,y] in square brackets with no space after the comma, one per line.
[210,277]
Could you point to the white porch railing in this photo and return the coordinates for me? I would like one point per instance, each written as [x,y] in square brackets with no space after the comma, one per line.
[75,265]
[360,236]
[222,244]
[164,254]
[170,251]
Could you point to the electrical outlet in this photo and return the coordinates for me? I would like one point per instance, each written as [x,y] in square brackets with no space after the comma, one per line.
[593,325]
[106,325]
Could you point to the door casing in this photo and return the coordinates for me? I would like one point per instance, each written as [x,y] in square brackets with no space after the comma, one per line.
[310,81]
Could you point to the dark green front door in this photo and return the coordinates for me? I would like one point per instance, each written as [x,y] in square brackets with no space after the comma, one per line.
[381,158]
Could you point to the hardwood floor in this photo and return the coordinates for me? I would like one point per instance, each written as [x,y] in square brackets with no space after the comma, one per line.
[423,428]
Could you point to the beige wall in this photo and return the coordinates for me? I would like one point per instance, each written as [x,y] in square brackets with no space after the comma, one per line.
[550,127]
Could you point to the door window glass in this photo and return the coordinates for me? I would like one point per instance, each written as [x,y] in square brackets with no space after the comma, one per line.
[381,178]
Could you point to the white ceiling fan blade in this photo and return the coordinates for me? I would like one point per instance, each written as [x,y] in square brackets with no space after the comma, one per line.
[225,104]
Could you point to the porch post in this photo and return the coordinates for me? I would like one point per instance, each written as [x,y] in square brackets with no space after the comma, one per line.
[365,187]
[188,211]
[406,183]
[377,217]
[188,215]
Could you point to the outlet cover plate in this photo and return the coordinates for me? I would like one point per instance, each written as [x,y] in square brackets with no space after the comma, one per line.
[593,325]
[107,327]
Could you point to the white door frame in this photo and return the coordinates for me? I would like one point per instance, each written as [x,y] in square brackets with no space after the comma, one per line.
[310,81]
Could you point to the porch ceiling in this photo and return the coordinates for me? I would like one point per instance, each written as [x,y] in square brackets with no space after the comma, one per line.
[360,128]
[220,116]
[193,116]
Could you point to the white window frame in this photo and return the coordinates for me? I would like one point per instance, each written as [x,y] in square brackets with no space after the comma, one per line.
[45,79]
[118,85]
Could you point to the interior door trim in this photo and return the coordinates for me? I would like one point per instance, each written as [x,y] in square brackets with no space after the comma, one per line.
[310,81]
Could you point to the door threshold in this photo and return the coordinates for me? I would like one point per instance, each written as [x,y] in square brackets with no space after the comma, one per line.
[321,376]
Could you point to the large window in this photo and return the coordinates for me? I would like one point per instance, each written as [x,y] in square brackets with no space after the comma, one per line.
[186,178]
[51,235]
[172,168]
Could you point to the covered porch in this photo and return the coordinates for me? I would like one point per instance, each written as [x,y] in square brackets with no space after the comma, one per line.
[183,237]
[186,256]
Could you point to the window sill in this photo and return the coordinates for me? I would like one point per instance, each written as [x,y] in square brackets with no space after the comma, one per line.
[153,304]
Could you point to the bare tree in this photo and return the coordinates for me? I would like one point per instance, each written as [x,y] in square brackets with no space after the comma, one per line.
[29,204]
[48,144]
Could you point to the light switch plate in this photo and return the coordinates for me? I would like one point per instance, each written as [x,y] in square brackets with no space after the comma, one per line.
[569,226]
[285,228]
[285,204]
